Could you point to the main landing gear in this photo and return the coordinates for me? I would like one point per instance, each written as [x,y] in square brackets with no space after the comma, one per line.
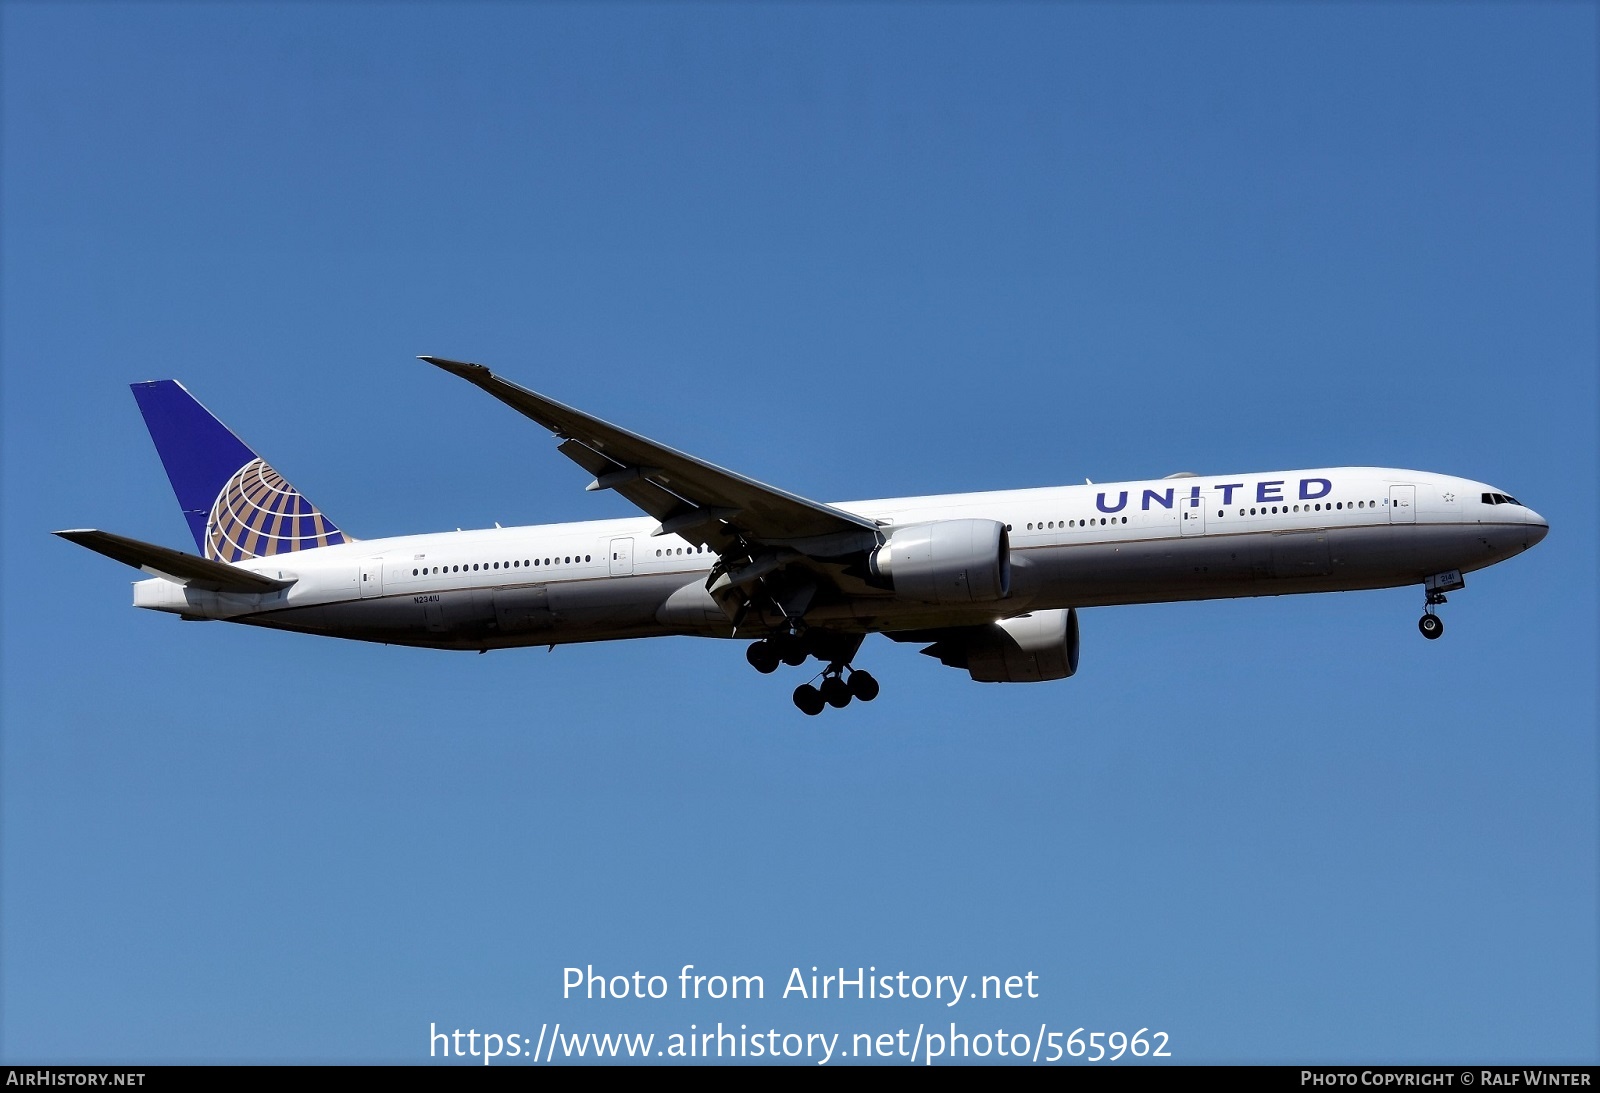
[1431,625]
[835,690]
[839,682]
[765,656]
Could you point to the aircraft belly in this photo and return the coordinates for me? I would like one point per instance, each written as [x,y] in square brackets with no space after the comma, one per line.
[617,605]
[1248,564]
[474,618]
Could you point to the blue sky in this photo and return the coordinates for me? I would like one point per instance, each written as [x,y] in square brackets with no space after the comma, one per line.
[856,251]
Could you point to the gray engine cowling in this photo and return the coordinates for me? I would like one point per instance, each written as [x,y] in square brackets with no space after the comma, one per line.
[950,562]
[1027,649]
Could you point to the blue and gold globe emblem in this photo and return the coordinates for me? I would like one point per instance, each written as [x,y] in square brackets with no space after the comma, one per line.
[258,514]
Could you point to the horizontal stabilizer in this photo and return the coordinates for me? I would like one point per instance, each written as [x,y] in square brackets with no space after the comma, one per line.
[174,565]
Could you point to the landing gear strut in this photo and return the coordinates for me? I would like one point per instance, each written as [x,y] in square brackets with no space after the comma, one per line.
[838,683]
[1434,588]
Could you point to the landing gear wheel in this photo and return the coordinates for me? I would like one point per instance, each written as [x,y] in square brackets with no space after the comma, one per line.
[793,654]
[809,699]
[762,657]
[1431,626]
[863,686]
[835,693]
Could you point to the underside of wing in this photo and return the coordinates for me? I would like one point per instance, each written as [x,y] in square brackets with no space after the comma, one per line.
[778,552]
[689,496]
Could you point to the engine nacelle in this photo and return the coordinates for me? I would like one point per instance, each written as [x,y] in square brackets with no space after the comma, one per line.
[1027,649]
[950,562]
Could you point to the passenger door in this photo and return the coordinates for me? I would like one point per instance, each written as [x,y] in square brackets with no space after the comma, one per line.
[1192,515]
[622,557]
[1402,504]
[371,578]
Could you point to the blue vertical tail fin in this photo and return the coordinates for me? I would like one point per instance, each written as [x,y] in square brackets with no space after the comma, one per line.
[236,505]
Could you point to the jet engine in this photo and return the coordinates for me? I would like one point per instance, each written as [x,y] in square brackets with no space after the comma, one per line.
[950,562]
[1027,649]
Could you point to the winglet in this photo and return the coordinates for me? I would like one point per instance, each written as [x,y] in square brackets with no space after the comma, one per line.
[464,369]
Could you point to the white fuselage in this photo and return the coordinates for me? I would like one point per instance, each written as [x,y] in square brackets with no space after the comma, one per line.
[1185,538]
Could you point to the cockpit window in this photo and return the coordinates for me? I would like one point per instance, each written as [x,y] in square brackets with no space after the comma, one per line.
[1500,499]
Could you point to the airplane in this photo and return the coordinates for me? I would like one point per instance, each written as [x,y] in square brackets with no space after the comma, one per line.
[990,583]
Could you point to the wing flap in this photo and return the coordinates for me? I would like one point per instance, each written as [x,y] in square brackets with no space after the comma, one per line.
[174,565]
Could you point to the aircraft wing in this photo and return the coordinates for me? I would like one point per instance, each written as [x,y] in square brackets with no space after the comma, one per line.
[690,497]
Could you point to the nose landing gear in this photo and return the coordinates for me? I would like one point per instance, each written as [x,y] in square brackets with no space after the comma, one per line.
[1434,588]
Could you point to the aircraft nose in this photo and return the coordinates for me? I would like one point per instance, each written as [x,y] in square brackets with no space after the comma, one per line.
[1538,527]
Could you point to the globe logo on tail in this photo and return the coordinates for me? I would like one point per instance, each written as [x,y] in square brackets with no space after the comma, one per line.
[258,514]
